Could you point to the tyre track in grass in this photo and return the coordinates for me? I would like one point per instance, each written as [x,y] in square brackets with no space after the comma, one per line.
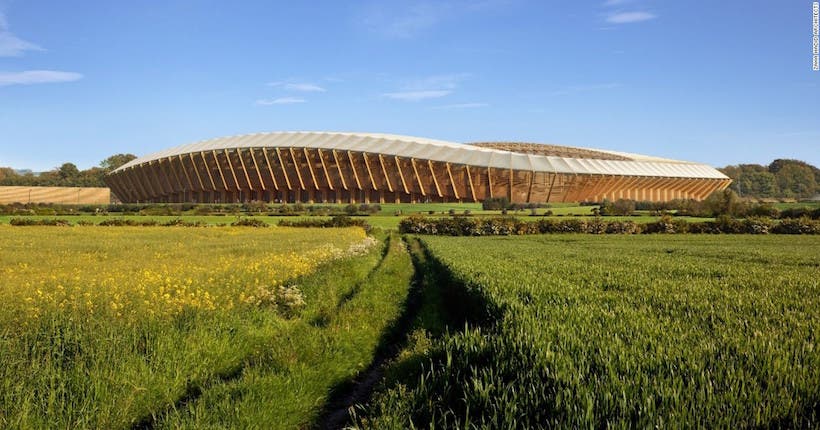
[195,389]
[423,308]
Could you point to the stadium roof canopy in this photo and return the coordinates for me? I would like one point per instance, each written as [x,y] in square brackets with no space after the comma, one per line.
[449,152]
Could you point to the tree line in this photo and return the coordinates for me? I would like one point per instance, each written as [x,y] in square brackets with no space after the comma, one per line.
[780,179]
[67,175]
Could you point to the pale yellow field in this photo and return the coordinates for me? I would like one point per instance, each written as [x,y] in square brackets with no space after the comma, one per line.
[138,272]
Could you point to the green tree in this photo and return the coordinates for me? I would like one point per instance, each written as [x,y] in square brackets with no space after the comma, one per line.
[796,180]
[115,161]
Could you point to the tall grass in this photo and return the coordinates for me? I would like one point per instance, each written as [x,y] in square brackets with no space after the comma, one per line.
[625,332]
[114,328]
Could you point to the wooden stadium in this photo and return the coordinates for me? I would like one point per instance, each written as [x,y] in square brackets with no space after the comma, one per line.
[377,168]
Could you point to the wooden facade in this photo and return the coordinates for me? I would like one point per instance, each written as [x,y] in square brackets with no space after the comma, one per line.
[310,174]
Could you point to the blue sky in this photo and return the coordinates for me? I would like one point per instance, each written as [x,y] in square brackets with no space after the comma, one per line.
[721,82]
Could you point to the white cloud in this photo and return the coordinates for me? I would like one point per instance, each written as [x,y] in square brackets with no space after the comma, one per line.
[29,77]
[462,106]
[11,45]
[308,88]
[427,88]
[414,96]
[439,82]
[406,19]
[629,17]
[280,101]
[304,87]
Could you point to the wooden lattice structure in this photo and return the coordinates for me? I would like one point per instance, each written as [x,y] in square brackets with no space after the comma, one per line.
[364,168]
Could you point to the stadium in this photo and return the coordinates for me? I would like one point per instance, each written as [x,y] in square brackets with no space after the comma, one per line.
[377,168]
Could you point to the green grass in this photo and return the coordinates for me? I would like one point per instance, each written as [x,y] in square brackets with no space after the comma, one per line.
[287,385]
[612,331]
[175,362]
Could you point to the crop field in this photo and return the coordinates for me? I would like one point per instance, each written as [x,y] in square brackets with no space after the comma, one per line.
[157,327]
[612,331]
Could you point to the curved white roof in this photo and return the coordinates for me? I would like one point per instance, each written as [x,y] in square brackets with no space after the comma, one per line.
[439,150]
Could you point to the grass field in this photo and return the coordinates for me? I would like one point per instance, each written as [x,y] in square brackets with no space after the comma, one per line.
[613,331]
[157,327]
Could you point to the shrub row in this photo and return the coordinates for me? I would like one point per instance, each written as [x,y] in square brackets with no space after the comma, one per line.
[112,222]
[336,221]
[720,203]
[502,226]
[254,207]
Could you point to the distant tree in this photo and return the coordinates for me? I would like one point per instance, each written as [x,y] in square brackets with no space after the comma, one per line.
[7,172]
[725,202]
[115,161]
[796,180]
[757,184]
[68,172]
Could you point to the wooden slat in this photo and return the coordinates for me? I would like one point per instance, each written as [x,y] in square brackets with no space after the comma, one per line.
[207,170]
[176,175]
[531,176]
[185,172]
[284,170]
[339,168]
[129,193]
[258,171]
[270,169]
[310,168]
[219,169]
[386,176]
[132,174]
[369,172]
[418,178]
[552,184]
[433,175]
[244,168]
[230,167]
[401,174]
[324,167]
[510,173]
[452,182]
[470,180]
[490,180]
[162,177]
[143,170]
[296,167]
[353,167]
[115,182]
[569,187]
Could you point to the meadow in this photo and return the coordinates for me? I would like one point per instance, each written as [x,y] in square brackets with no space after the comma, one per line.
[614,331]
[149,327]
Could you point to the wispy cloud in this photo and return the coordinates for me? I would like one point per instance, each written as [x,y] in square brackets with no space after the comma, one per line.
[29,77]
[415,96]
[405,19]
[574,89]
[304,87]
[11,45]
[280,101]
[430,87]
[462,106]
[629,17]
